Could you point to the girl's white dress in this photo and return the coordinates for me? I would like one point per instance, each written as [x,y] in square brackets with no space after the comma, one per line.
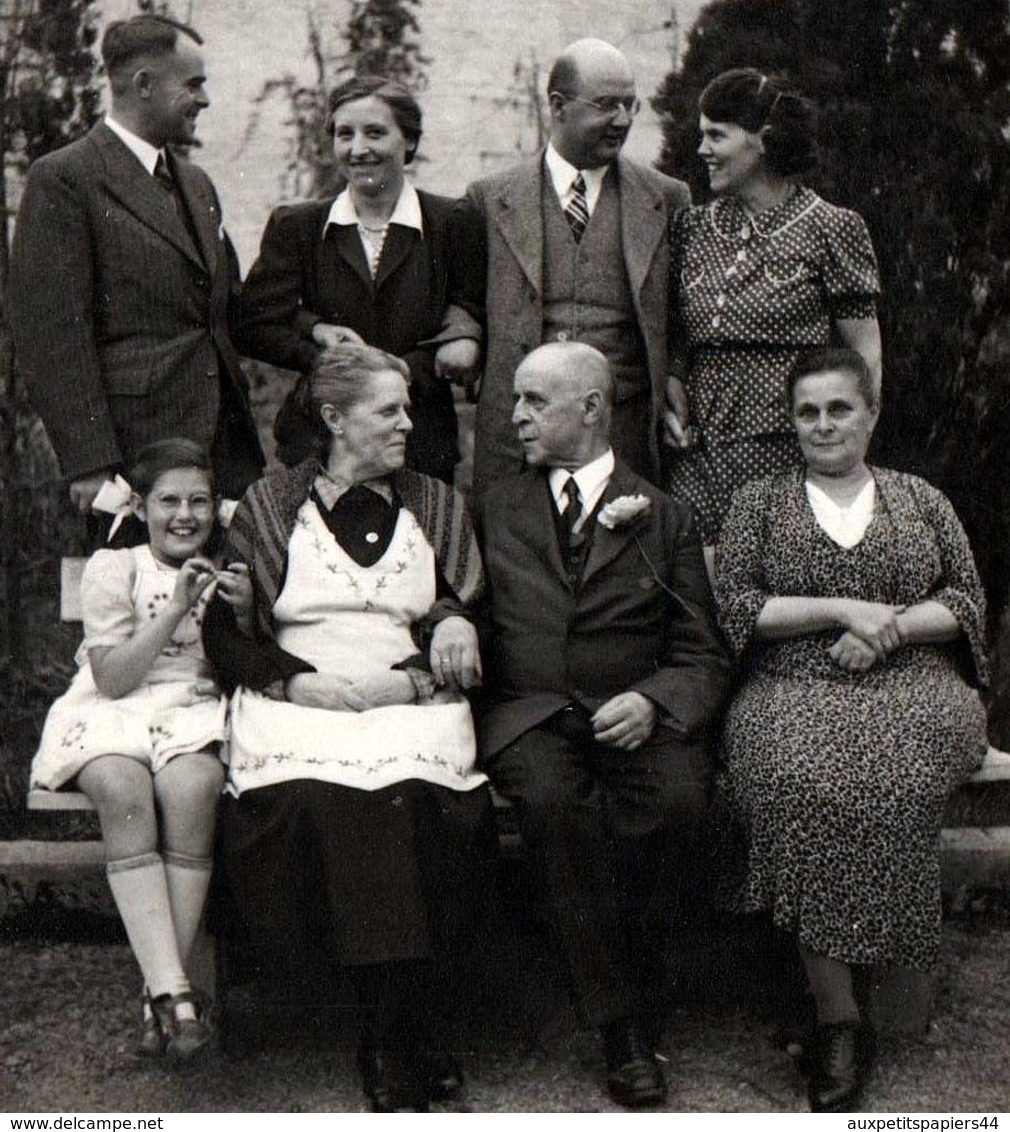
[176,710]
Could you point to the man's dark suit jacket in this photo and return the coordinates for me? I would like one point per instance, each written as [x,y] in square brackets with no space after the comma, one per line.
[551,643]
[301,278]
[120,320]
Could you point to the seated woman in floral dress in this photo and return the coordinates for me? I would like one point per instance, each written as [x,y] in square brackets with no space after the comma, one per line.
[850,596]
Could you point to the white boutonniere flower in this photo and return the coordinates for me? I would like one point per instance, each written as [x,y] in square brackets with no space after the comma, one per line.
[623,510]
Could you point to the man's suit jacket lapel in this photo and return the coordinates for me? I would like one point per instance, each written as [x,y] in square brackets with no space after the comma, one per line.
[137,191]
[607,544]
[643,224]
[519,218]
[533,506]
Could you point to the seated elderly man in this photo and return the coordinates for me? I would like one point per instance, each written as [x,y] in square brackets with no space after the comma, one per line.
[606,671]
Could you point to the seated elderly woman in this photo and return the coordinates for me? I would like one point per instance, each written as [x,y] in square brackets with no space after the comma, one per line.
[850,595]
[355,826]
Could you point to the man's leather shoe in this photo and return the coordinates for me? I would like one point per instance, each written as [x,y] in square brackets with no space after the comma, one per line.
[634,1076]
[842,1057]
[441,1076]
[386,1084]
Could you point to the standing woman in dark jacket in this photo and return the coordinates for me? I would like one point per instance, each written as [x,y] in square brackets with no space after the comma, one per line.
[371,265]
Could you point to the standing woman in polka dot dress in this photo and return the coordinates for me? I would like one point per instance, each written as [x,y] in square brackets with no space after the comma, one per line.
[764,271]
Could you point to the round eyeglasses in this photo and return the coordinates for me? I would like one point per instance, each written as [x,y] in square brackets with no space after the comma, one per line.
[611,107]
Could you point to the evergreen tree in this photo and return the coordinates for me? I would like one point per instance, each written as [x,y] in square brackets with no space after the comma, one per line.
[381,37]
[48,96]
[914,100]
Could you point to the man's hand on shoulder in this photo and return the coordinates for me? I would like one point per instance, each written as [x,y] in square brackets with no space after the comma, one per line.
[625,721]
[458,361]
[328,336]
[84,490]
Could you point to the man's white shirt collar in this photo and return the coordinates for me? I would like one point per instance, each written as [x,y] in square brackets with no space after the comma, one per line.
[406,213]
[144,152]
[591,480]
[563,175]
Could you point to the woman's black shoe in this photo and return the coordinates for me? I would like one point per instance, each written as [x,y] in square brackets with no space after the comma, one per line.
[842,1057]
[391,1087]
[441,1076]
[634,1076]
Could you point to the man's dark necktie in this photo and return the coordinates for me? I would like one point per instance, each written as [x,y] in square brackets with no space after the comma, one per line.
[164,178]
[577,210]
[163,175]
[573,511]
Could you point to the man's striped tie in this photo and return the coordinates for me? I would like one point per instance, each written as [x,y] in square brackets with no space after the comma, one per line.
[578,208]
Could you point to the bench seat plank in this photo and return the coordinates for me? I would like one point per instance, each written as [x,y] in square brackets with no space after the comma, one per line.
[59,801]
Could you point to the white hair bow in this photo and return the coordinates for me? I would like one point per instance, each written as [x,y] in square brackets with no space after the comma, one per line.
[115,495]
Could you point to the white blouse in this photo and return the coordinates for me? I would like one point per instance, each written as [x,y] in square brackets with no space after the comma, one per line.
[845,525]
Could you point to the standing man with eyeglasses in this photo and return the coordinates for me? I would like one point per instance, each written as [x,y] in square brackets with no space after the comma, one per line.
[571,246]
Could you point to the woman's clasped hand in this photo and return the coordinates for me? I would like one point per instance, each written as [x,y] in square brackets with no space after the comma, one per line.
[873,631]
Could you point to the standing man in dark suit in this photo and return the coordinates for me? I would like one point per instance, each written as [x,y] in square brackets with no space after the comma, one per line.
[605,671]
[122,276]
[572,246]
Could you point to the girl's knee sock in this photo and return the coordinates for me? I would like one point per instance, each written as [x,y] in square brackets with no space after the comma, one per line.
[140,890]
[188,880]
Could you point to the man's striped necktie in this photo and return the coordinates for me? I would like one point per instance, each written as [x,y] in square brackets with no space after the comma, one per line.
[577,210]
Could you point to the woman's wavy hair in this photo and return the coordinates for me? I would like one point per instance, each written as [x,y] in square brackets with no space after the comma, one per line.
[339,377]
[770,106]
[402,104]
[833,358]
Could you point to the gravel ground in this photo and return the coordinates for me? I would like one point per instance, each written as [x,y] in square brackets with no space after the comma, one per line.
[71,1019]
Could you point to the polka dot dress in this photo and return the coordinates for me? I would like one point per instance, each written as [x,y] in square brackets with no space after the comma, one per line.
[753,292]
[833,783]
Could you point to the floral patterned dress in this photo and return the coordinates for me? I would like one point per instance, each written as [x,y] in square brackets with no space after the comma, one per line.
[752,293]
[176,710]
[834,782]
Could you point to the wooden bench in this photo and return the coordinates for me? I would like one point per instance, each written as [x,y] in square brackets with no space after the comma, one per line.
[963,844]
[975,848]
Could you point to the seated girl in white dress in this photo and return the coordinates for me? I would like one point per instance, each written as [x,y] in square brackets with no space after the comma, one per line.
[140,729]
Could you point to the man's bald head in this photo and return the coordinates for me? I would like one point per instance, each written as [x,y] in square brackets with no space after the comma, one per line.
[591,90]
[563,398]
[586,61]
[575,365]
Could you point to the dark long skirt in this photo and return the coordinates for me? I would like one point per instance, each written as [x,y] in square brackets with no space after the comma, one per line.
[311,875]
